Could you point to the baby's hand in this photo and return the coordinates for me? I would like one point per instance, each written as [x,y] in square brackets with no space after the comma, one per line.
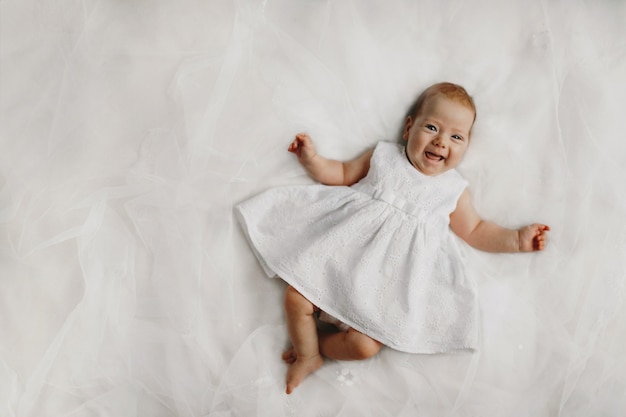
[303,147]
[533,237]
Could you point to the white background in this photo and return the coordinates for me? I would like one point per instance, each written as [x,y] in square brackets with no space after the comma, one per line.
[130,128]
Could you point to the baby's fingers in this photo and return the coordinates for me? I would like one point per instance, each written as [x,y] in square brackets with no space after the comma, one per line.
[540,237]
[540,243]
[295,147]
[302,140]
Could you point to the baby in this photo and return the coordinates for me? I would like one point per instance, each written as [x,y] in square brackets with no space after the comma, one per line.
[370,250]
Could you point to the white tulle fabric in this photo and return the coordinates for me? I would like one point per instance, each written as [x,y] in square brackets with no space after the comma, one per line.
[378,255]
[130,129]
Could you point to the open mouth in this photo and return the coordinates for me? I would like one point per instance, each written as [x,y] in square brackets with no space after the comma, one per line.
[434,156]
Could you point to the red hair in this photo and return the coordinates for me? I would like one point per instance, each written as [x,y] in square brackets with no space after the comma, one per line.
[452,91]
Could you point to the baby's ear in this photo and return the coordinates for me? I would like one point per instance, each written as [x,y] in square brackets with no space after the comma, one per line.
[407,126]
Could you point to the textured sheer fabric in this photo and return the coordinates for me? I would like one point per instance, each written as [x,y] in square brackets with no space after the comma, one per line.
[130,129]
[379,255]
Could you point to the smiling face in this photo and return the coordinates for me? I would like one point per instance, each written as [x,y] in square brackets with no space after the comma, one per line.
[438,135]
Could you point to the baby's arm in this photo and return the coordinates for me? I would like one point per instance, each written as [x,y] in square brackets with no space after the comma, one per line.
[490,237]
[329,171]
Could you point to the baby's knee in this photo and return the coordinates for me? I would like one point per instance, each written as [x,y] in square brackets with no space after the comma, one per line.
[365,347]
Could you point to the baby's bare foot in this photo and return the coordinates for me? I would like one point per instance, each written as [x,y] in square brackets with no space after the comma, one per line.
[289,356]
[300,368]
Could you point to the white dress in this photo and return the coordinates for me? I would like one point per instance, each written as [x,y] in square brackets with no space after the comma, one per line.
[378,255]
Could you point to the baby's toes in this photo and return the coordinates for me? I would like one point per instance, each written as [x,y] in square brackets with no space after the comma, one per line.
[289,355]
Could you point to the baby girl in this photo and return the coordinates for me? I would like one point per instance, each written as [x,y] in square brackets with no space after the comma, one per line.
[370,249]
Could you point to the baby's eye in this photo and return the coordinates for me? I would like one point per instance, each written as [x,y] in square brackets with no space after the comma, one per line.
[457,137]
[431,127]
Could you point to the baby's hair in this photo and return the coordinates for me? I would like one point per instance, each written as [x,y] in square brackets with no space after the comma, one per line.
[452,91]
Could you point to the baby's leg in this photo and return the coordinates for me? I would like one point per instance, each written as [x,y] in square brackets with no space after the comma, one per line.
[305,355]
[349,345]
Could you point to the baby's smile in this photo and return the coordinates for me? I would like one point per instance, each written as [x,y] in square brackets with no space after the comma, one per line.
[434,156]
